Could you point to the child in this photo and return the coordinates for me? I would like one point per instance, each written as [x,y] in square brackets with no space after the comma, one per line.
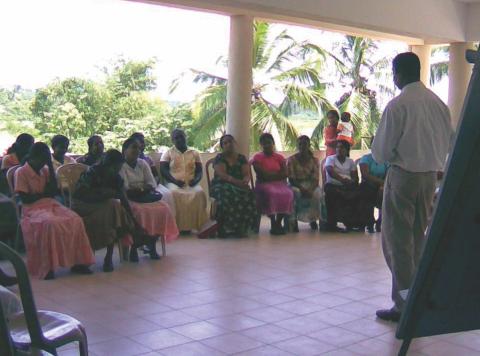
[345,129]
[330,133]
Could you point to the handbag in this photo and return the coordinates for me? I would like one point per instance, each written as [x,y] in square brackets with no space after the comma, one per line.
[147,197]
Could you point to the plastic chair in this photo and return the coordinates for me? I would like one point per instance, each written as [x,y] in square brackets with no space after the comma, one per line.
[5,339]
[67,176]
[43,330]
[13,196]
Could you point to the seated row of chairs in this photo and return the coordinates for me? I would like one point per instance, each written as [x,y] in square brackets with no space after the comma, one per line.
[67,176]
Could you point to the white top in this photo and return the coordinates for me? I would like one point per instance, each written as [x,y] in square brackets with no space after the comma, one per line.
[343,169]
[182,165]
[345,129]
[137,177]
[415,132]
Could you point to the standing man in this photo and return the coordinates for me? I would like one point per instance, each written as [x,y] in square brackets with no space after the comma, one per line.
[414,138]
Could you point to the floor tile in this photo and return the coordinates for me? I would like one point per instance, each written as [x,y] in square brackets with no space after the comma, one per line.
[161,339]
[191,349]
[369,327]
[232,343]
[337,336]
[305,293]
[269,314]
[265,351]
[270,333]
[199,330]
[304,346]
[236,322]
[119,347]
[171,318]
[302,324]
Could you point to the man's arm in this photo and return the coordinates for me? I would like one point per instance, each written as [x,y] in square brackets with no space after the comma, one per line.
[388,134]
[198,174]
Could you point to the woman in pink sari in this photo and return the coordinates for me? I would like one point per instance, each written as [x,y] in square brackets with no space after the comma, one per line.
[274,196]
[54,235]
[152,214]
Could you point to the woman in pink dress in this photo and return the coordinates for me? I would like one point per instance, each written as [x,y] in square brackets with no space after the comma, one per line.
[274,196]
[54,235]
[152,214]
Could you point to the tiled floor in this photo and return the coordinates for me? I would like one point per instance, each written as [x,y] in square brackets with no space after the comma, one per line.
[303,294]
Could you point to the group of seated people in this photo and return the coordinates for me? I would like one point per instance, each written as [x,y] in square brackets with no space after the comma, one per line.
[119,198]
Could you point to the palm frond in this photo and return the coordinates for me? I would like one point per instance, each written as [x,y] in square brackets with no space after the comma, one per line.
[205,77]
[305,73]
[260,43]
[278,121]
[209,112]
[438,71]
[298,97]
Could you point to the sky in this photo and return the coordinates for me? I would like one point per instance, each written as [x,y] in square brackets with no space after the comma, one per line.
[48,39]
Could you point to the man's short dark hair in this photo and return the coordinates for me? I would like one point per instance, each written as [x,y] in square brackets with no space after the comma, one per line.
[407,64]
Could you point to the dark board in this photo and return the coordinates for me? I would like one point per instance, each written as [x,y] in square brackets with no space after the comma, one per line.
[445,296]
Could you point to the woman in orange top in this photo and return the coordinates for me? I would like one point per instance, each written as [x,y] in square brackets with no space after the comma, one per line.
[18,151]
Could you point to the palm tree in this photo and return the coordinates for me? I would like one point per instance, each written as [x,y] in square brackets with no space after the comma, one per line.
[286,78]
[357,69]
[439,66]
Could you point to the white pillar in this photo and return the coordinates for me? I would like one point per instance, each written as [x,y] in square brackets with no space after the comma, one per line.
[423,52]
[239,89]
[459,72]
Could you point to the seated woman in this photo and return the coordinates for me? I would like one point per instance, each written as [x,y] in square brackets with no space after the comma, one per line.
[95,151]
[373,179]
[60,145]
[236,207]
[274,196]
[100,199]
[341,190]
[167,196]
[18,151]
[181,167]
[54,235]
[152,214]
[304,178]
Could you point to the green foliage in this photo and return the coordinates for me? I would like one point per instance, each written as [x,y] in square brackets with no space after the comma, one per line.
[78,108]
[355,67]
[281,65]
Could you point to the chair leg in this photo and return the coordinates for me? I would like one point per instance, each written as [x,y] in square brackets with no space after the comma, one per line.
[18,238]
[164,250]
[83,344]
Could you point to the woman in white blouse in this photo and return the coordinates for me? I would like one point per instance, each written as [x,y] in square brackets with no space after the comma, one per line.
[148,207]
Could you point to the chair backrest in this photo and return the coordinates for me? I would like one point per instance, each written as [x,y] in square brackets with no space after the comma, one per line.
[208,165]
[323,171]
[67,177]
[11,178]
[5,339]
[26,295]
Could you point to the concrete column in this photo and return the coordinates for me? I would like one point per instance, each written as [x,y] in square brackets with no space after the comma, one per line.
[239,89]
[423,52]
[459,72]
